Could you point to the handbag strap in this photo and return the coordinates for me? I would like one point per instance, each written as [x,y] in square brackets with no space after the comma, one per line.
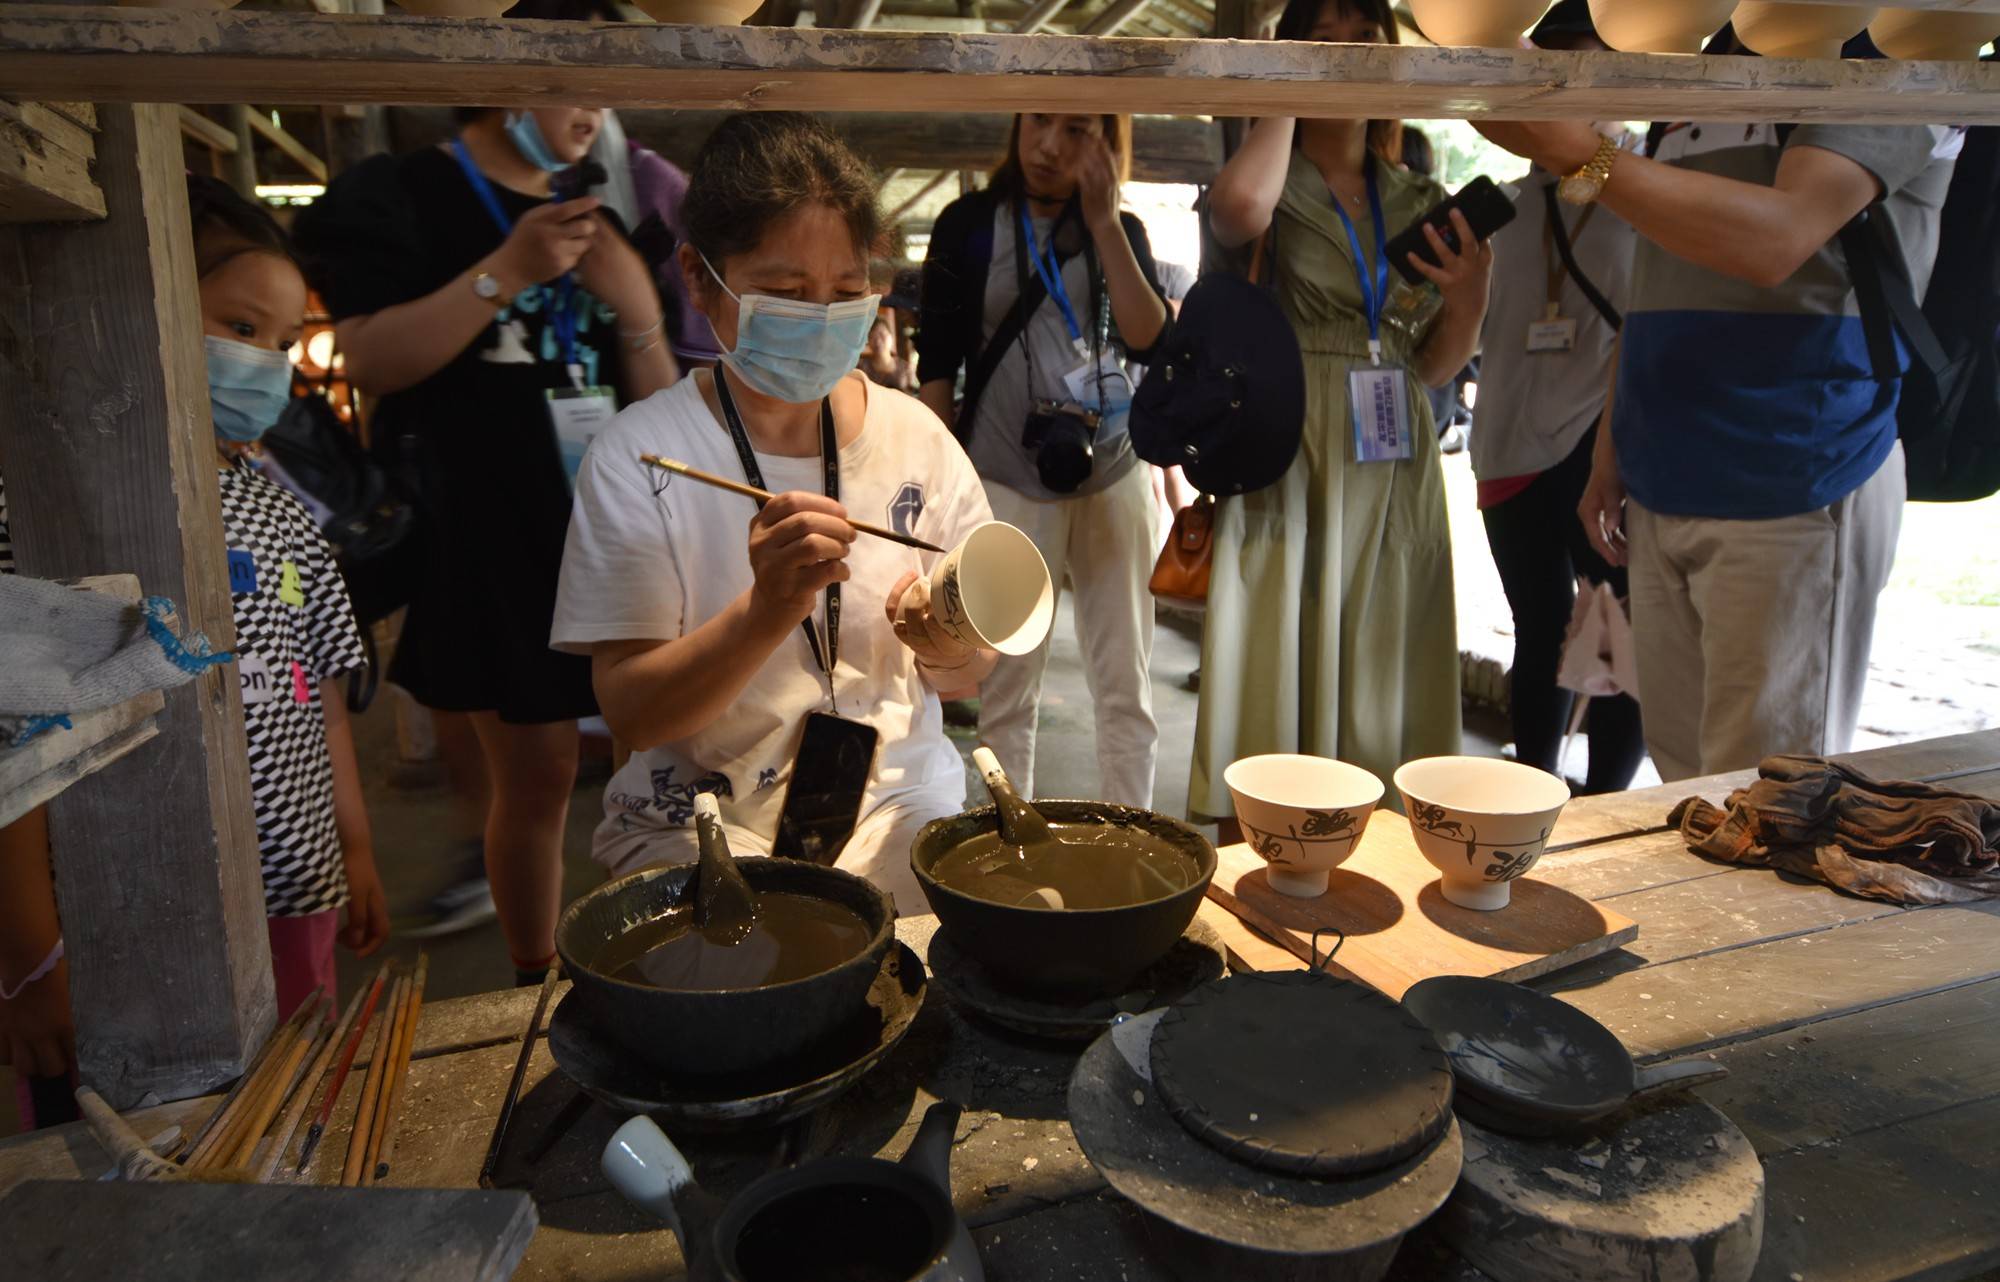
[1004,336]
[1583,282]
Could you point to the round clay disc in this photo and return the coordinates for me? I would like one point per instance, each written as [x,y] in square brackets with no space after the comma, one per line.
[1302,1073]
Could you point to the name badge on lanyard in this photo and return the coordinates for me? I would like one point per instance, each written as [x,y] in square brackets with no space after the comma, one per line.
[577,413]
[1554,334]
[1378,397]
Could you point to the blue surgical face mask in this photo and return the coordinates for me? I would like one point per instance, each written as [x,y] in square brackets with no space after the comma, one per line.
[525,132]
[793,351]
[247,387]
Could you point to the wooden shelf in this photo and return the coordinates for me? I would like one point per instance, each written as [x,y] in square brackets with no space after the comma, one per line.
[160,55]
[39,770]
[45,155]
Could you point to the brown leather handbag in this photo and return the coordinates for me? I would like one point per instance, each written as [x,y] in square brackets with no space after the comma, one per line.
[1181,573]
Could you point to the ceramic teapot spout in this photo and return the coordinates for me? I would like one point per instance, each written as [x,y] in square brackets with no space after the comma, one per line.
[646,1167]
[929,1154]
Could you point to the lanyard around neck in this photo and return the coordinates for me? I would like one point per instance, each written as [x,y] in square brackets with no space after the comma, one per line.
[562,312]
[1553,231]
[1049,268]
[1375,283]
[827,657]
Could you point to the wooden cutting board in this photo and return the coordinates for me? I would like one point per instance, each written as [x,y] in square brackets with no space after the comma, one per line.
[1401,929]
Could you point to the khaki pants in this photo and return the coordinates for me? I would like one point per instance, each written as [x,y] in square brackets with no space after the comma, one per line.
[1104,543]
[1753,636]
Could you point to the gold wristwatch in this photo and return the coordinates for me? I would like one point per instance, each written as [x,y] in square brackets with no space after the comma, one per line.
[1587,183]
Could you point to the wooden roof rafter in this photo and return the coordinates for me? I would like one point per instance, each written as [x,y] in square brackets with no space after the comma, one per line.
[157,55]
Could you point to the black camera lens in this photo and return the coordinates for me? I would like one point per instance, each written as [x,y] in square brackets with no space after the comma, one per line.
[1064,458]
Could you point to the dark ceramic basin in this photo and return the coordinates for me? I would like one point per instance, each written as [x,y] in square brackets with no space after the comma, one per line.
[1064,953]
[700,1034]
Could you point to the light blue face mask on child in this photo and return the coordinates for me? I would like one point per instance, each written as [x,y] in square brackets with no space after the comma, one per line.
[525,132]
[247,387]
[793,351]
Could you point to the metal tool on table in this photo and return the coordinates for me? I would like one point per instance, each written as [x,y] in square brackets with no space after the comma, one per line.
[513,1096]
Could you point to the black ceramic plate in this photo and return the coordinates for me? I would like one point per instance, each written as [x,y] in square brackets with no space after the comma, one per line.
[1302,1073]
[1523,1053]
[1197,959]
[610,1074]
[1125,1130]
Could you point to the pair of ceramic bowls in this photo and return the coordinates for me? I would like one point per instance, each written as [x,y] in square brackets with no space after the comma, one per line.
[1481,822]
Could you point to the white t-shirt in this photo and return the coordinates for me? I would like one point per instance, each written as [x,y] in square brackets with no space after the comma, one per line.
[647,562]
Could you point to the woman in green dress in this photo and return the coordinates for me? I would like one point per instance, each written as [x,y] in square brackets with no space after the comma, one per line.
[1331,629]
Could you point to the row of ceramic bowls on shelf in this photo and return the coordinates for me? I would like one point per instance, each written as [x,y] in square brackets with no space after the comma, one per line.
[1776,30]
[1481,822]
[702,12]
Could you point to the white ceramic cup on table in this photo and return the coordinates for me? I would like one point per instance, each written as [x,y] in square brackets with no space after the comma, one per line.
[991,592]
[1482,822]
[1302,814]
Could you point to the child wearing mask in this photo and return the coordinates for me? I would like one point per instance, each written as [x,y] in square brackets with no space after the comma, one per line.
[294,631]
[294,627]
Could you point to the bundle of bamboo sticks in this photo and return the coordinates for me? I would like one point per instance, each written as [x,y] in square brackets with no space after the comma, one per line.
[309,1058]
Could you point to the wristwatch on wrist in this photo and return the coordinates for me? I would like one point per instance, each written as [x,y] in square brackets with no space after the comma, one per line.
[487,286]
[1587,183]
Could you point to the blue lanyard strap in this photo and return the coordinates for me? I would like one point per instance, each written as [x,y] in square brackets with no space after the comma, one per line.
[562,310]
[1050,270]
[1375,284]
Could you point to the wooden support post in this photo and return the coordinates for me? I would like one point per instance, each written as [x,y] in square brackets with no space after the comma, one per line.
[1232,22]
[111,465]
[1038,17]
[243,161]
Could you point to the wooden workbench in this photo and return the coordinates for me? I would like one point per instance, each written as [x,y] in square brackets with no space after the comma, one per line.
[1861,1040]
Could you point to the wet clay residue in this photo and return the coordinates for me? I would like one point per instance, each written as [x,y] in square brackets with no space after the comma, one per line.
[1084,865]
[791,937]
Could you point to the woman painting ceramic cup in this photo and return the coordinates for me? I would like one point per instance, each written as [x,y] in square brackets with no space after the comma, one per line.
[757,667]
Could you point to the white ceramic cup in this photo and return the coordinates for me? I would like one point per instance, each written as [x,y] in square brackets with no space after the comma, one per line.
[645,1166]
[1933,35]
[1482,822]
[1492,24]
[1302,814]
[1659,26]
[991,592]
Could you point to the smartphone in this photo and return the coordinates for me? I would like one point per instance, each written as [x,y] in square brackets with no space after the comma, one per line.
[1486,207]
[823,801]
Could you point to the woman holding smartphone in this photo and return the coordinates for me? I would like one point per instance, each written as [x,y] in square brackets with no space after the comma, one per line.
[1330,622]
[787,666]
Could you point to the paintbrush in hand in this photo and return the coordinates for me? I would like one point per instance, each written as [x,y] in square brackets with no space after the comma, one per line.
[761,497]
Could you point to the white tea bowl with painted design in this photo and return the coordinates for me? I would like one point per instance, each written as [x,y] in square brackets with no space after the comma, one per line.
[1302,814]
[1481,822]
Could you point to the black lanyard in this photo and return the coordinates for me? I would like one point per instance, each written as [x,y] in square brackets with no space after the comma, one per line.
[829,451]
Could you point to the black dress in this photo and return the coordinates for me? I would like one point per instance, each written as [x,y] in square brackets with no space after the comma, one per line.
[476,438]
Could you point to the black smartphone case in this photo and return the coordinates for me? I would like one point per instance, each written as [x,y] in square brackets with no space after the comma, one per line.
[823,800]
[1486,208]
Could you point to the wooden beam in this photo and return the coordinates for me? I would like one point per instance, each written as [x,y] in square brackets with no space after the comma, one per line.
[174,54]
[1039,16]
[243,162]
[1165,149]
[111,465]
[199,128]
[895,215]
[45,166]
[300,154]
[1114,16]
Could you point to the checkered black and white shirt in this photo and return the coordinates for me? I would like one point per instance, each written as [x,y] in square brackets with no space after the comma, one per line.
[294,629]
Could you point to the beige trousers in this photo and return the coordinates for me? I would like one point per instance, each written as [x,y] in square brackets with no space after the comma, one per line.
[1104,544]
[1753,636]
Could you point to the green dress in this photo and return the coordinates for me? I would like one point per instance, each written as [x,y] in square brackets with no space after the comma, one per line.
[1331,628]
